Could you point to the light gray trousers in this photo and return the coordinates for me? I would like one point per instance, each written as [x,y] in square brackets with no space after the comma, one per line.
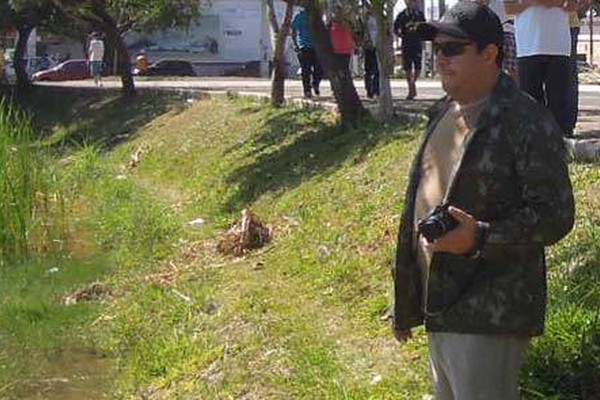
[476,367]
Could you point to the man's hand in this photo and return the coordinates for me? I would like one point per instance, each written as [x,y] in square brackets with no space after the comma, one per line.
[461,240]
[402,336]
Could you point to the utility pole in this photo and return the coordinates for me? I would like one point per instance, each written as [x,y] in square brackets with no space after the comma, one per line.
[592,37]
[432,59]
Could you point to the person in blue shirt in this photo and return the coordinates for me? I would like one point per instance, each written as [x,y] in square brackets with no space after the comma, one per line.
[312,73]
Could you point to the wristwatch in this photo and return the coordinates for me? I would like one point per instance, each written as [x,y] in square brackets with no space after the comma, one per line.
[483,231]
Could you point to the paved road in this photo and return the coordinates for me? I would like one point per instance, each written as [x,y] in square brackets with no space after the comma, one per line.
[428,90]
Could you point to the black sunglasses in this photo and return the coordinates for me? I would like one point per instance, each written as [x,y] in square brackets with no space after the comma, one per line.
[450,49]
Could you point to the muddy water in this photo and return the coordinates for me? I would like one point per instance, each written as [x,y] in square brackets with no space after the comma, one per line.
[72,375]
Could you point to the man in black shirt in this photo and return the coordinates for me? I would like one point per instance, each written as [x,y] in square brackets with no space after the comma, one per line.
[405,26]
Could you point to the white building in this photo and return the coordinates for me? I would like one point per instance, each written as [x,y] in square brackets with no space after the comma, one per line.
[229,33]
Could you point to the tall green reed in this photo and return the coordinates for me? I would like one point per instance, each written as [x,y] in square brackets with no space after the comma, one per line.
[19,176]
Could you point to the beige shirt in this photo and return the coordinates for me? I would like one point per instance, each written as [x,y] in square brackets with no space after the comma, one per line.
[441,157]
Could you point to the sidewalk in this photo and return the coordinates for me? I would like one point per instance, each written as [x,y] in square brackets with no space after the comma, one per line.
[585,146]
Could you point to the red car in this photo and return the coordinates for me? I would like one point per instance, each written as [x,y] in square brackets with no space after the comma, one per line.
[68,71]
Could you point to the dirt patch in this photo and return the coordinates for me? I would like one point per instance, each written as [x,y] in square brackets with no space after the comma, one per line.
[248,234]
[94,292]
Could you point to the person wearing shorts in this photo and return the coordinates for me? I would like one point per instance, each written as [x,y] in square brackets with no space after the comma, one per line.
[405,26]
[96,58]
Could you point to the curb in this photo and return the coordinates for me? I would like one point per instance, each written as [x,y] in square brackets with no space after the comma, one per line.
[583,150]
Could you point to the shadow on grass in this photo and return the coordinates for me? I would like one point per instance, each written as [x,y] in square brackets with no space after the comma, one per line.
[296,144]
[69,118]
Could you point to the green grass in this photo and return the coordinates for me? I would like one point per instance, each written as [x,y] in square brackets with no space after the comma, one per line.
[212,160]
[18,184]
[299,319]
[565,363]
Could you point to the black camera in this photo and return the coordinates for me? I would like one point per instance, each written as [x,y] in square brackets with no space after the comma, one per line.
[437,223]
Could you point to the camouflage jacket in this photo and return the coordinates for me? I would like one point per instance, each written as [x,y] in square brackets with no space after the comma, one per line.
[514,176]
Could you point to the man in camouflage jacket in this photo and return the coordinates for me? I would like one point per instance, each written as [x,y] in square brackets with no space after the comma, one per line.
[511,194]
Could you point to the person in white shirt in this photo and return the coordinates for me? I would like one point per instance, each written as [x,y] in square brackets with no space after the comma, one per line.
[96,58]
[543,54]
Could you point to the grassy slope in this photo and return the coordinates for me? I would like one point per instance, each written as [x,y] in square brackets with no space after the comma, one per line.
[301,319]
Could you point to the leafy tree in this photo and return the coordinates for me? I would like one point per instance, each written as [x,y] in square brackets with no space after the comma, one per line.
[66,26]
[117,18]
[24,16]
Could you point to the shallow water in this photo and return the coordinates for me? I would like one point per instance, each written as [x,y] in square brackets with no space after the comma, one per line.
[72,375]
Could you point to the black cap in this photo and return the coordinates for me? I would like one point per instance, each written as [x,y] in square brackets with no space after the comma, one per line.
[467,20]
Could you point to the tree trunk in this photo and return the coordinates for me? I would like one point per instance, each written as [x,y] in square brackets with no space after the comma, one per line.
[281,34]
[124,67]
[113,34]
[441,7]
[110,57]
[20,63]
[384,17]
[338,72]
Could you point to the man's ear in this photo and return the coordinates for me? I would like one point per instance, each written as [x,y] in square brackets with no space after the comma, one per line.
[490,53]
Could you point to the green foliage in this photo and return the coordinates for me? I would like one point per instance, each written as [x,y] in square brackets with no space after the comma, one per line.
[18,184]
[143,15]
[135,15]
[32,206]
[113,222]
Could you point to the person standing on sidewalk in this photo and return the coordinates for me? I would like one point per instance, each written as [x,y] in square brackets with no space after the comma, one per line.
[369,31]
[96,58]
[543,54]
[405,26]
[342,38]
[494,158]
[312,73]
